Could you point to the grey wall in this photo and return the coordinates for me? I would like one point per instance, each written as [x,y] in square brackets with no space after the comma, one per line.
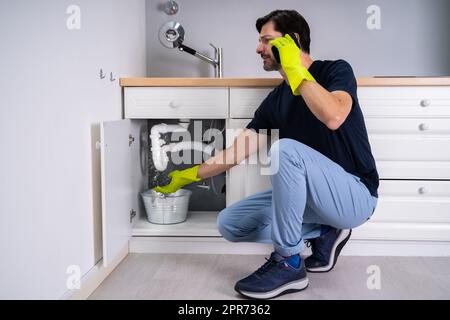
[413,39]
[51,101]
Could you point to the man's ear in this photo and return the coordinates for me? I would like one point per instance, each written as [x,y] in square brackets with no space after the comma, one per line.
[296,37]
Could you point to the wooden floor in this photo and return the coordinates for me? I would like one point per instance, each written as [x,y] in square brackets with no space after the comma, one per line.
[172,276]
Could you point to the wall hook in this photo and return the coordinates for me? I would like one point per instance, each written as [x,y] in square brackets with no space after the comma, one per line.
[111,78]
[102,75]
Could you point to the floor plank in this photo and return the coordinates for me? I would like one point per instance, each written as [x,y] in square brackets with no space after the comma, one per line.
[201,276]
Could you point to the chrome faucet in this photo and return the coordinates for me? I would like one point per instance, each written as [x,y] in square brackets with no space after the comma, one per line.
[216,62]
[171,35]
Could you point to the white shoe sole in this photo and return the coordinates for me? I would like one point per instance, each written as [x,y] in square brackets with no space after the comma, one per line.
[338,245]
[291,287]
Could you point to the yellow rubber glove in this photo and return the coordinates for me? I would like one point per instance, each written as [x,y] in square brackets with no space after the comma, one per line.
[180,178]
[291,62]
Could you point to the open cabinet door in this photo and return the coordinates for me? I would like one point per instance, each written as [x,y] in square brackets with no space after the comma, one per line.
[118,153]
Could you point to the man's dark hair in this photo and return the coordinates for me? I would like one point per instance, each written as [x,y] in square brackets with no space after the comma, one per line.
[288,21]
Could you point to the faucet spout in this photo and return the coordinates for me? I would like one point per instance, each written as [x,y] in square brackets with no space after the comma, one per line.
[216,62]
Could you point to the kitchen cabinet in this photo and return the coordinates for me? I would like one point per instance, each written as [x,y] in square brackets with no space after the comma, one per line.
[408,127]
[124,149]
[409,133]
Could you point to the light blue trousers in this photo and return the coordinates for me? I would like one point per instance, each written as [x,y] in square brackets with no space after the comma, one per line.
[308,191]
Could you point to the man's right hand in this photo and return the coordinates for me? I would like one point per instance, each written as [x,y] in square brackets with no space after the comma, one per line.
[180,178]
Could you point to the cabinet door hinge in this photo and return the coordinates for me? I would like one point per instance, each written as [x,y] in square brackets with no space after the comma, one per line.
[132,215]
[130,139]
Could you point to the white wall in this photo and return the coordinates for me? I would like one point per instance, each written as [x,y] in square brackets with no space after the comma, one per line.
[413,39]
[51,103]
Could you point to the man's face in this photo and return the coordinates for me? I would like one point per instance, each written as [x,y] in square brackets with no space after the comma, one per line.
[264,48]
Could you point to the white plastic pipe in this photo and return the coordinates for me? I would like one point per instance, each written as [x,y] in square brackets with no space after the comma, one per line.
[160,158]
[164,128]
[159,151]
[189,145]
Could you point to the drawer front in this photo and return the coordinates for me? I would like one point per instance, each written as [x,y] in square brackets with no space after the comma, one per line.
[410,148]
[404,101]
[409,139]
[413,169]
[409,210]
[169,103]
[402,231]
[418,127]
[245,101]
[374,101]
[413,201]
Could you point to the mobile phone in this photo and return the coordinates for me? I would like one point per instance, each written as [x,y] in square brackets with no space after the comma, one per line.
[275,51]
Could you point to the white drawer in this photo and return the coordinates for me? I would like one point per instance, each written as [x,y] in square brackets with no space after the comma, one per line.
[245,101]
[410,148]
[413,169]
[176,103]
[420,127]
[409,139]
[404,101]
[409,210]
[374,101]
[413,201]
[402,231]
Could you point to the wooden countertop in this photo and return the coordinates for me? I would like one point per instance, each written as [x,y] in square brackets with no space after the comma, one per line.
[272,82]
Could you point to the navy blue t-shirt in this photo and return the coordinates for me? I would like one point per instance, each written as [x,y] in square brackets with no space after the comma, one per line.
[348,146]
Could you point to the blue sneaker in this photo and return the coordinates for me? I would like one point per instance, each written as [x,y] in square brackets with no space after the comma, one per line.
[325,249]
[275,277]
